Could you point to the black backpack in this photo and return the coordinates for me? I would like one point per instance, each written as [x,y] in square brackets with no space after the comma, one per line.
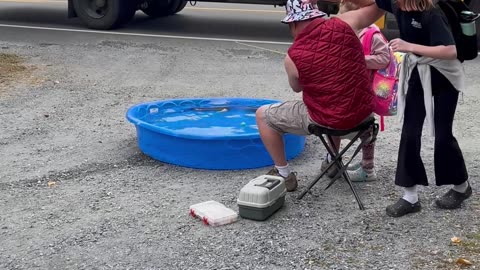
[467,46]
[457,12]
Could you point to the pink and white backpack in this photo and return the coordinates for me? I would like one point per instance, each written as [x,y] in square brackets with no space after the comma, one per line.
[385,81]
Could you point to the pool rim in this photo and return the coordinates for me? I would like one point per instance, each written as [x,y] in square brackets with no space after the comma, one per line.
[130,115]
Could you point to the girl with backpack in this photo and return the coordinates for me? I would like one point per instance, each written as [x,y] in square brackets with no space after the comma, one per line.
[377,56]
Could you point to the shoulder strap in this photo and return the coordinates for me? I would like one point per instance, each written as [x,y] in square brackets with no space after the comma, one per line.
[393,65]
[394,7]
[367,40]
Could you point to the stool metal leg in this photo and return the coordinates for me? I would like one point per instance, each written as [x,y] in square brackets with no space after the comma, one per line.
[321,174]
[343,168]
[340,155]
[349,182]
[338,162]
[311,185]
[337,158]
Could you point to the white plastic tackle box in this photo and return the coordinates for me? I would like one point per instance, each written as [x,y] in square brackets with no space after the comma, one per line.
[213,213]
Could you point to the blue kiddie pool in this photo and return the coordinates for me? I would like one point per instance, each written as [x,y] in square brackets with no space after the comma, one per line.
[217,133]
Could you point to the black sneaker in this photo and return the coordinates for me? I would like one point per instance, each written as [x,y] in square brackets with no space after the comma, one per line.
[453,199]
[403,207]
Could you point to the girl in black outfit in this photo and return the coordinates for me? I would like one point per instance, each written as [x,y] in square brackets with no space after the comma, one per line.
[427,39]
[424,32]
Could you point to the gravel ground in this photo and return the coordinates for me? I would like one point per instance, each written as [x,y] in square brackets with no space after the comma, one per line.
[76,192]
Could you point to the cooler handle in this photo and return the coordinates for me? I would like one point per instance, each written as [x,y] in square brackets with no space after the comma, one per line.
[270,183]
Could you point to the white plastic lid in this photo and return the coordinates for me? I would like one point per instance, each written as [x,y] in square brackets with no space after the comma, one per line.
[213,213]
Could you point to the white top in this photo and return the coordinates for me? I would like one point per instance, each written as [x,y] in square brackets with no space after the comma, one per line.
[453,70]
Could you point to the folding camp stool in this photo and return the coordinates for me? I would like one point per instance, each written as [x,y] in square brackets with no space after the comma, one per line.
[362,129]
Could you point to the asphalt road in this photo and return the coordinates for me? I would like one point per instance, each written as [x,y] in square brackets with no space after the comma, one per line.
[209,20]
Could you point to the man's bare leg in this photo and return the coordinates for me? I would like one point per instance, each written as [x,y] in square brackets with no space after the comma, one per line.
[336,142]
[272,140]
[335,148]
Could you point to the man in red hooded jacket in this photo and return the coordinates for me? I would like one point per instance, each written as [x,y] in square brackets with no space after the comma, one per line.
[327,65]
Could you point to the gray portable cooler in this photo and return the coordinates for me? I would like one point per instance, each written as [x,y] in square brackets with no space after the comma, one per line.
[261,197]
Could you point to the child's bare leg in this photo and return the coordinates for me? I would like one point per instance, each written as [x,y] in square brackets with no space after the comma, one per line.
[367,170]
[368,154]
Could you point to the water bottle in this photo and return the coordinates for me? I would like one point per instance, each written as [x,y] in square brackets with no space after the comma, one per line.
[468,23]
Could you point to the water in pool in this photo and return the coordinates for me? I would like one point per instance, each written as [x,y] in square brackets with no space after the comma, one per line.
[216,121]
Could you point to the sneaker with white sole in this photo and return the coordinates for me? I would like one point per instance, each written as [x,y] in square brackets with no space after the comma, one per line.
[360,175]
[354,166]
[291,182]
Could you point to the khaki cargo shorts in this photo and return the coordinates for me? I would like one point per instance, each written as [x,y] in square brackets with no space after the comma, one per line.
[288,117]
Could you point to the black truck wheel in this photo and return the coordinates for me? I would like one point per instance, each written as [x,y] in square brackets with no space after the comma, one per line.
[104,14]
[162,8]
[182,5]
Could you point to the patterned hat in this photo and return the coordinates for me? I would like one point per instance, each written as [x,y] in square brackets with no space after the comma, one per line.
[299,11]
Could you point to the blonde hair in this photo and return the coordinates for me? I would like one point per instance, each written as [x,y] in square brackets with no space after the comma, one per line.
[415,5]
[346,6]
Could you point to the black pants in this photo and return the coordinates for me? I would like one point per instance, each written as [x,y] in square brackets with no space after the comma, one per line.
[449,163]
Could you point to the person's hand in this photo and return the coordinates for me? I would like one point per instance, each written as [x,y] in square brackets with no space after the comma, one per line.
[399,45]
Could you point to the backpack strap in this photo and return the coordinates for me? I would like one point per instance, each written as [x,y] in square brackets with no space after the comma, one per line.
[367,48]
[367,40]
[392,66]
[394,7]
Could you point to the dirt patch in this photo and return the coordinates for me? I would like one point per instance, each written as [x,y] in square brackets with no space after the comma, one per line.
[470,249]
[13,69]
[11,65]
[461,253]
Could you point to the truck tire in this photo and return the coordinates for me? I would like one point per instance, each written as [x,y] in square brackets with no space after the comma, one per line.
[182,5]
[162,8]
[104,14]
